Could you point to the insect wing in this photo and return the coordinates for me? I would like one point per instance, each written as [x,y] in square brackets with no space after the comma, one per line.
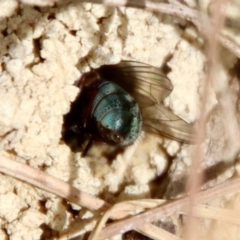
[166,123]
[147,84]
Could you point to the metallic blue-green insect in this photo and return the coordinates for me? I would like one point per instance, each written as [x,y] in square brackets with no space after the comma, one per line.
[116,102]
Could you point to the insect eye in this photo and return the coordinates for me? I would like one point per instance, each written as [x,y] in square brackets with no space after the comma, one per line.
[110,134]
[117,138]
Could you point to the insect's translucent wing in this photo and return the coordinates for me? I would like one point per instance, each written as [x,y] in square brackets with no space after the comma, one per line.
[147,84]
[148,74]
[159,120]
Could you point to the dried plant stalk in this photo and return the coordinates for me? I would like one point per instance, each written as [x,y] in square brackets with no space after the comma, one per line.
[208,211]
[196,173]
[51,184]
[138,222]
[168,209]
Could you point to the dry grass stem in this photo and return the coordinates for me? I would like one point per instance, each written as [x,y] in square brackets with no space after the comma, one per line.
[168,209]
[194,183]
[60,188]
[210,212]
[41,3]
[123,210]
[64,190]
[51,184]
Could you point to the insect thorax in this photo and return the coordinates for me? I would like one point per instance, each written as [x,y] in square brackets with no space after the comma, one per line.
[116,114]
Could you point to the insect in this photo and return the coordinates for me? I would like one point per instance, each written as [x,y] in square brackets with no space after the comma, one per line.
[116,102]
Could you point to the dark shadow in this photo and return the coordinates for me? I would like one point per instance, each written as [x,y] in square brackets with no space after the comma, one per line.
[48,233]
[133,235]
[135,3]
[209,174]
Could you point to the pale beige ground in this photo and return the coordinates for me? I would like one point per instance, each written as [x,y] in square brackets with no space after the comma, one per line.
[42,52]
